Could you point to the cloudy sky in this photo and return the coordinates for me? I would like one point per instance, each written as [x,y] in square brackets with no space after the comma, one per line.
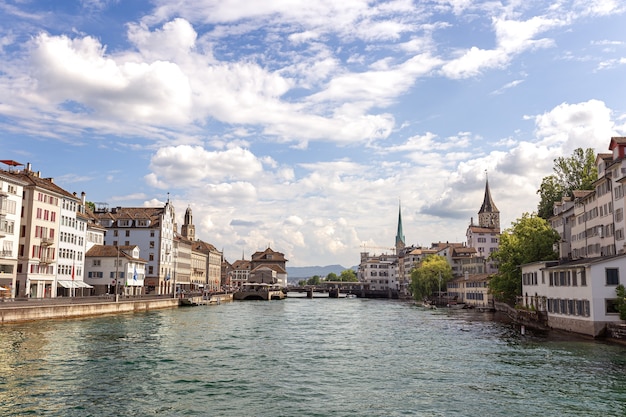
[303,124]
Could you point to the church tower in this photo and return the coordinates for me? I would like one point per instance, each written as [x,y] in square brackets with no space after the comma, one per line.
[400,242]
[489,215]
[188,230]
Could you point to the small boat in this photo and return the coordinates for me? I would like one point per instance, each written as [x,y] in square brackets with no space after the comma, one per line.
[456,306]
[350,295]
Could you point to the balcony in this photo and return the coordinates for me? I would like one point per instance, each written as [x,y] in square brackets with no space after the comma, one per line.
[6,254]
[47,241]
[45,260]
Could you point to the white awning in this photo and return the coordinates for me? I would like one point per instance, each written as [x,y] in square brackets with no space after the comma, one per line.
[4,289]
[73,284]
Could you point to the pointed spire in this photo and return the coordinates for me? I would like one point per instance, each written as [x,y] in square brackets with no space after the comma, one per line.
[400,242]
[488,204]
[488,215]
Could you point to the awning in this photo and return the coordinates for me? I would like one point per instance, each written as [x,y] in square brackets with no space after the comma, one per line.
[74,284]
[4,289]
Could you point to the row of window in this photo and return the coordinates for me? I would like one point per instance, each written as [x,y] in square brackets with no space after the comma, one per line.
[477,296]
[569,307]
[48,199]
[70,254]
[568,278]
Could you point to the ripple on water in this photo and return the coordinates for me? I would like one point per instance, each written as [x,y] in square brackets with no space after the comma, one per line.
[304,357]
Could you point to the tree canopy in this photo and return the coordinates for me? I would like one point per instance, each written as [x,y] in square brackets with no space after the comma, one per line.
[348,275]
[576,172]
[430,275]
[530,239]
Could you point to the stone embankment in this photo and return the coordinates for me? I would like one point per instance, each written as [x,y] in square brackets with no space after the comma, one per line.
[62,308]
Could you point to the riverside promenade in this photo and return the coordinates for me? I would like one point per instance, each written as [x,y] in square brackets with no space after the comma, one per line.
[31,309]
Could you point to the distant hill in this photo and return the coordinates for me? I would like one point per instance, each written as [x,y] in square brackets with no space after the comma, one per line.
[300,272]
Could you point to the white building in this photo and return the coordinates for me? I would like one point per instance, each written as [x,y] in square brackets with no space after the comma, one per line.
[105,264]
[152,230]
[11,190]
[72,244]
[577,296]
[378,273]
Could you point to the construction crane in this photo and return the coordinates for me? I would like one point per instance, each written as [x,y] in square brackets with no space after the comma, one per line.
[366,247]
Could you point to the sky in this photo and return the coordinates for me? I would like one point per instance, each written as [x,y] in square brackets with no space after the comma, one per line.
[304,125]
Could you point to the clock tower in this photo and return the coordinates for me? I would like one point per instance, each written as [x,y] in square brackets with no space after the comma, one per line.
[489,215]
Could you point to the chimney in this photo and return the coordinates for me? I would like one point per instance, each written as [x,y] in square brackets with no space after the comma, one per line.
[28,166]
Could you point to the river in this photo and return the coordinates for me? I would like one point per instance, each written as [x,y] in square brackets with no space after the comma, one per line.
[304,357]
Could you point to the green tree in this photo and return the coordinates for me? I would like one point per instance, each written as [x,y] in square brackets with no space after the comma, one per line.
[431,274]
[348,275]
[621,301]
[90,205]
[530,239]
[331,277]
[314,280]
[576,172]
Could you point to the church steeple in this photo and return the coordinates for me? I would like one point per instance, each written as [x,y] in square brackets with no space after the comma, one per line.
[400,242]
[188,230]
[488,215]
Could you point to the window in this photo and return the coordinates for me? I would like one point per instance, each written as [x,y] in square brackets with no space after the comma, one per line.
[612,276]
[152,243]
[611,306]
[96,262]
[127,233]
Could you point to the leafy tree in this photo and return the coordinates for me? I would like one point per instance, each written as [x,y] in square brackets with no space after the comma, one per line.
[91,205]
[621,301]
[302,283]
[550,191]
[577,172]
[348,275]
[430,275]
[331,277]
[314,280]
[530,239]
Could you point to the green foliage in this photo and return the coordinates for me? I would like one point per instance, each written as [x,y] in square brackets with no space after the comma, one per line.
[348,275]
[530,239]
[302,283]
[91,205]
[550,191]
[621,301]
[431,274]
[577,172]
[331,277]
[314,280]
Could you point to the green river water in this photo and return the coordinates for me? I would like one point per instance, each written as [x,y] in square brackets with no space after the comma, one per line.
[305,357]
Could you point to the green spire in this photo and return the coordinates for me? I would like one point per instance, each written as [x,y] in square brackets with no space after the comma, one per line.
[399,234]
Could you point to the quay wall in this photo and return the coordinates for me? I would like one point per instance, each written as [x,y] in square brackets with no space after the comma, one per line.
[62,311]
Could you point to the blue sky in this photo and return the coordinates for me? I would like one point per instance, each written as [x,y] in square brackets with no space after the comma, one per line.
[302,124]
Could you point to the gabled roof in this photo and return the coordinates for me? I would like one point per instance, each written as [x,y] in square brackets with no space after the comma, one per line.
[32,179]
[265,255]
[110,251]
[153,214]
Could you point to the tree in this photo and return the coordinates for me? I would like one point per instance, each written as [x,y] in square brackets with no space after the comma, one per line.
[314,280]
[551,191]
[348,275]
[331,277]
[577,172]
[621,301]
[430,275]
[530,239]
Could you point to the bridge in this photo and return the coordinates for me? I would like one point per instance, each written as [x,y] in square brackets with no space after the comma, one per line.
[334,288]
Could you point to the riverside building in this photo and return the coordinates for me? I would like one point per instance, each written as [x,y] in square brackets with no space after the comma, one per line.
[577,293]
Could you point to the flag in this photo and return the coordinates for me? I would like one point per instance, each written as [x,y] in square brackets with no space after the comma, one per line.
[72,272]
[135,273]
